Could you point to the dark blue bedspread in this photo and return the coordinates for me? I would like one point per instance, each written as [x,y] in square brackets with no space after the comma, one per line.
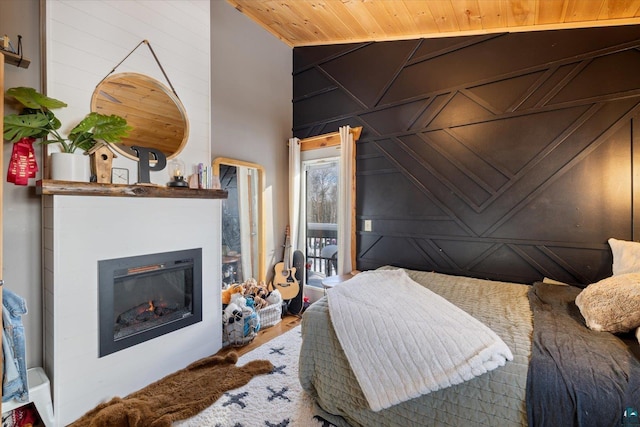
[577,377]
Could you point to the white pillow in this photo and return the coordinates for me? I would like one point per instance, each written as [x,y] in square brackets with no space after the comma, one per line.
[626,256]
[612,304]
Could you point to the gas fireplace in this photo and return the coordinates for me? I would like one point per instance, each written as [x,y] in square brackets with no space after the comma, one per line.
[144,297]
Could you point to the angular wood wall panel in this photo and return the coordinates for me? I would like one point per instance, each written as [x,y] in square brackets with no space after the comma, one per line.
[511,156]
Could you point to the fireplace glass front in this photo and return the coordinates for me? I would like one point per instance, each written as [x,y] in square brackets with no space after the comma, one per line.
[143,297]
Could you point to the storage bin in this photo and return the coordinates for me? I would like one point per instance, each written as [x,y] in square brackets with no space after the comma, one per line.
[270,315]
[39,395]
[239,332]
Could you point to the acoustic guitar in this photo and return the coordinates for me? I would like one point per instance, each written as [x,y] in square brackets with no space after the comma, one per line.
[284,279]
[296,304]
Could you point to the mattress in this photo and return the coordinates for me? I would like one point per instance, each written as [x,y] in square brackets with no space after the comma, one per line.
[496,398]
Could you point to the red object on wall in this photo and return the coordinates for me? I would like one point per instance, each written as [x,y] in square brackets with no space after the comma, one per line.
[22,165]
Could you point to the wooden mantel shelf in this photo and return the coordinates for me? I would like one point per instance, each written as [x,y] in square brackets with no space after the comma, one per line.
[71,188]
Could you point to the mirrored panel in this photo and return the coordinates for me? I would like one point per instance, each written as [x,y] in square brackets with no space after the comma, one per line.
[155,113]
[242,220]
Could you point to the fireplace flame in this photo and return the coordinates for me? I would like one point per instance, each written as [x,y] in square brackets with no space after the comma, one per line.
[151,307]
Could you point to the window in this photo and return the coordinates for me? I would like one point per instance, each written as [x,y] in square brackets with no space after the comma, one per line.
[339,148]
[321,206]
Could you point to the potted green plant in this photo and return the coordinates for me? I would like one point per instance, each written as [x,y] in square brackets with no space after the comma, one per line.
[37,121]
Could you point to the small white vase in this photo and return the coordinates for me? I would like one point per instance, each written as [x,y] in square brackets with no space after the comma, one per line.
[70,167]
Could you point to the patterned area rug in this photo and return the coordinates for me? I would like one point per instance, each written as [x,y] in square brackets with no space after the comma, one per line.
[271,400]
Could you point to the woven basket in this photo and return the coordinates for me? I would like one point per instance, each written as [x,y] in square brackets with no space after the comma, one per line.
[270,315]
[237,334]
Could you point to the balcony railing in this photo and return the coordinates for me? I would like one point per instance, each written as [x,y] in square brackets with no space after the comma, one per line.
[322,249]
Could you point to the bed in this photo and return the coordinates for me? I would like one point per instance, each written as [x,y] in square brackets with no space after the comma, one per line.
[560,373]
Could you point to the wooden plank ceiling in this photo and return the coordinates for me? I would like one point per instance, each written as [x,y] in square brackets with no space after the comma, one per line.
[322,22]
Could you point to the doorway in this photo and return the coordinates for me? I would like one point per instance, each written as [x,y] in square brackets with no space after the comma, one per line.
[321,225]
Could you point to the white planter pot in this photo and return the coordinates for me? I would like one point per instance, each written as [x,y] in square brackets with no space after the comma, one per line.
[70,167]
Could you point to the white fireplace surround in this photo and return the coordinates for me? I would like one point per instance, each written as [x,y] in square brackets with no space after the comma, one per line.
[79,231]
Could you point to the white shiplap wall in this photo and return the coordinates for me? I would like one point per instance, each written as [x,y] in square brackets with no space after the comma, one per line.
[78,232]
[86,39]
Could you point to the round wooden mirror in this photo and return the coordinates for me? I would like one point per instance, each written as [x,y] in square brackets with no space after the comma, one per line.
[157,116]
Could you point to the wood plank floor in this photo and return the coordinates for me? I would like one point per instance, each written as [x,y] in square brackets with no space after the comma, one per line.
[287,323]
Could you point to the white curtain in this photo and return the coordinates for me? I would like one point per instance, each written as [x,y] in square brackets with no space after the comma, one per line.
[345,200]
[296,224]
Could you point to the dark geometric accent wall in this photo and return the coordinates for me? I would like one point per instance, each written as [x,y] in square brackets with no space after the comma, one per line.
[506,156]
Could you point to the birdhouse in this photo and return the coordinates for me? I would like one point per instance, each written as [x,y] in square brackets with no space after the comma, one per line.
[101,158]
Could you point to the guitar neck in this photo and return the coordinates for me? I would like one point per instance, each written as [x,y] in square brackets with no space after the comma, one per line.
[287,254]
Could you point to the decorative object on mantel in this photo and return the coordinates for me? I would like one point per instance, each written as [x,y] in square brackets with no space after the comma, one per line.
[101,156]
[193,181]
[206,177]
[69,167]
[119,176]
[149,159]
[156,105]
[37,120]
[176,174]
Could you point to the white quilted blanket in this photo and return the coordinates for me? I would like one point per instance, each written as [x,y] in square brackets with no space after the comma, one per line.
[402,340]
